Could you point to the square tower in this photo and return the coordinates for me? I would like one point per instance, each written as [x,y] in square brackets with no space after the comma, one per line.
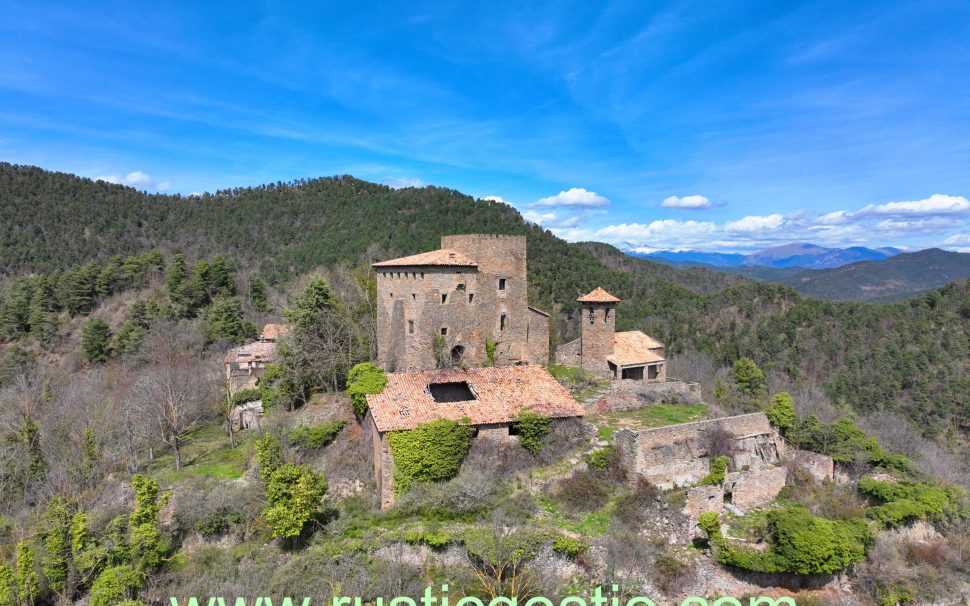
[598,328]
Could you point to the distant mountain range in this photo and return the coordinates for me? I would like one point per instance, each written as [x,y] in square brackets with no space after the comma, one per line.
[796,254]
[884,274]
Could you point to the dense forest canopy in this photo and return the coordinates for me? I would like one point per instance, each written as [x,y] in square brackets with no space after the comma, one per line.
[910,356]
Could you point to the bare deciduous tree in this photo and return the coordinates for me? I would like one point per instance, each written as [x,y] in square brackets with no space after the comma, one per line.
[177,387]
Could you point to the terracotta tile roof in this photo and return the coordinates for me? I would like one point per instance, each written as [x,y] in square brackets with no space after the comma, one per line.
[634,347]
[443,256]
[598,296]
[501,392]
[259,351]
[271,332]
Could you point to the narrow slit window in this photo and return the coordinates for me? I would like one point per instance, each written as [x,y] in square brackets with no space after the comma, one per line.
[606,316]
[501,322]
[444,299]
[592,316]
[471,297]
[444,331]
[410,327]
[501,283]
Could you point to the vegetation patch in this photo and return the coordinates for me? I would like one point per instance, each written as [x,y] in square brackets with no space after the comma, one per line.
[648,417]
[531,427]
[431,452]
[800,543]
[364,379]
[317,436]
[907,502]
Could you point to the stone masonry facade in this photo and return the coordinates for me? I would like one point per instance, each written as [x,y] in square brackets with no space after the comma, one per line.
[429,311]
[677,455]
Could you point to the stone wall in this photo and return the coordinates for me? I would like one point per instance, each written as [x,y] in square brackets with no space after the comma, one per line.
[676,455]
[756,487]
[703,499]
[820,467]
[416,305]
[627,394]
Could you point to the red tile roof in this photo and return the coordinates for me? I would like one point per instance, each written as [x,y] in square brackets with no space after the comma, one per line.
[598,296]
[443,256]
[634,347]
[271,332]
[253,352]
[501,393]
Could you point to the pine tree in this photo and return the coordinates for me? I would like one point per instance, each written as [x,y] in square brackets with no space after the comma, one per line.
[96,340]
[176,275]
[258,295]
[224,322]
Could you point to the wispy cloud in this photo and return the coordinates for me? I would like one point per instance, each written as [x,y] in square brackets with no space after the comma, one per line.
[138,180]
[937,216]
[402,182]
[694,202]
[576,197]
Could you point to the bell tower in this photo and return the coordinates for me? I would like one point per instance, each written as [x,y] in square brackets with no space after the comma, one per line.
[598,327]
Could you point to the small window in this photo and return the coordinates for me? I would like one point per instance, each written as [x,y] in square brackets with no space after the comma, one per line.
[458,391]
[414,297]
[501,283]
[444,331]
[410,327]
[501,322]
[444,299]
[460,287]
[390,295]
[591,316]
[606,317]
[422,275]
[471,297]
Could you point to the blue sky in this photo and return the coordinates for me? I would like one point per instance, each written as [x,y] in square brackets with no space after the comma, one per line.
[711,125]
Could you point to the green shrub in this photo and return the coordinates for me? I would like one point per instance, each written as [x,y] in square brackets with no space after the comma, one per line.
[364,379]
[317,436]
[717,469]
[531,427]
[905,502]
[781,412]
[601,458]
[569,546]
[435,539]
[800,543]
[244,396]
[269,455]
[218,522]
[115,585]
[294,493]
[431,452]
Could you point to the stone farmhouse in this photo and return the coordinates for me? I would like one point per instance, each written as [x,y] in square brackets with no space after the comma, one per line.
[246,363]
[459,302]
[489,398]
[600,349]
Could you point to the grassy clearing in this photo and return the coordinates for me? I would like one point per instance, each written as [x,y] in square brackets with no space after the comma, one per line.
[207,454]
[582,385]
[592,524]
[647,417]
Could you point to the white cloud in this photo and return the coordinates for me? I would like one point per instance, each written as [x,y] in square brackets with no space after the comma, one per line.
[495,199]
[755,223]
[937,204]
[695,202]
[402,182]
[540,218]
[577,197]
[137,179]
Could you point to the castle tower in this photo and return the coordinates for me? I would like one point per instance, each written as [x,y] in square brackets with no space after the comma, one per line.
[598,327]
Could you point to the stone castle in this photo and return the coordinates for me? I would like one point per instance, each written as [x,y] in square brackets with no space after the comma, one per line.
[466,302]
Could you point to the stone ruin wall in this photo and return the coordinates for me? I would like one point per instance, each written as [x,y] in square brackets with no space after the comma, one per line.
[676,455]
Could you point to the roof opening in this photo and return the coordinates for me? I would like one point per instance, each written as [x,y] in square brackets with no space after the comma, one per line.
[458,391]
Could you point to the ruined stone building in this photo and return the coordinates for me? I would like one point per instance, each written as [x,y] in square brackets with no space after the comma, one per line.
[245,364]
[600,349]
[487,399]
[467,302]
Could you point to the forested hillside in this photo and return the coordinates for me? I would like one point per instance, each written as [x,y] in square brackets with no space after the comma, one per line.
[911,356]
